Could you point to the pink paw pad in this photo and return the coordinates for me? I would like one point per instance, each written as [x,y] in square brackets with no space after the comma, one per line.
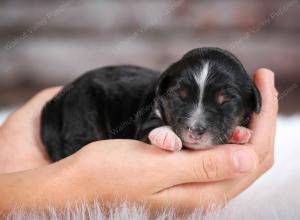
[165,138]
[241,135]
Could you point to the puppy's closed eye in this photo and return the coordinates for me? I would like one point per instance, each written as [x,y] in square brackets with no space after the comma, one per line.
[183,92]
[222,98]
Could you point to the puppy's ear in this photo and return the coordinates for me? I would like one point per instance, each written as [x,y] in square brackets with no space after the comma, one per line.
[255,98]
[164,81]
[253,102]
[162,84]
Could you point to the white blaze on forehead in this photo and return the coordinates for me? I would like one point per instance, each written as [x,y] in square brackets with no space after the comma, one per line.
[201,79]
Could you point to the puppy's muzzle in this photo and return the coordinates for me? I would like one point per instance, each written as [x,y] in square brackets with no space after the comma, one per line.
[193,134]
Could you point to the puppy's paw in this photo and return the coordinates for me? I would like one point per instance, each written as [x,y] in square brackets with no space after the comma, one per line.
[241,135]
[165,138]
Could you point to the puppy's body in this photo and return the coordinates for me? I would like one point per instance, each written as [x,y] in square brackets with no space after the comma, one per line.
[101,104]
[200,99]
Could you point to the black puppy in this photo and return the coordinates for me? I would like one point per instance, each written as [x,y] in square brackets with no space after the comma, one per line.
[197,102]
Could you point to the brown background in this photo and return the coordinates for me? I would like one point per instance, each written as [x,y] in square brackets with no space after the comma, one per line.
[45,43]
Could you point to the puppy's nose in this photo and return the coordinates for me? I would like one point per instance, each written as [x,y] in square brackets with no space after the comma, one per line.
[196,132]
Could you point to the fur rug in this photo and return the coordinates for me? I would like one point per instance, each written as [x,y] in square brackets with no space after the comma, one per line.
[276,195]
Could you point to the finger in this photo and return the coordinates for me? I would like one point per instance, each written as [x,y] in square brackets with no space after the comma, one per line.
[34,106]
[223,162]
[203,195]
[263,124]
[36,103]
[31,110]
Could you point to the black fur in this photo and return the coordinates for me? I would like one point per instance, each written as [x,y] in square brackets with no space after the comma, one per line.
[120,102]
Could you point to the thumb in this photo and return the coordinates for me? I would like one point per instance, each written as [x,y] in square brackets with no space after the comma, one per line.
[221,163]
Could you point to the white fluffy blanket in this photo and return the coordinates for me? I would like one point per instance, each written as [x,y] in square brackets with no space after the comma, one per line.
[276,195]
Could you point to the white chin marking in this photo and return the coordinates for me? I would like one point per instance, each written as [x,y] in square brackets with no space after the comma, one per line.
[204,143]
[198,146]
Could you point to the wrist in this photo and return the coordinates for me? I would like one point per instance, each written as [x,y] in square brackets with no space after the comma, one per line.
[66,182]
[56,185]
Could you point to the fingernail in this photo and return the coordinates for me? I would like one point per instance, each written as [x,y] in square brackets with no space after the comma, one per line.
[244,162]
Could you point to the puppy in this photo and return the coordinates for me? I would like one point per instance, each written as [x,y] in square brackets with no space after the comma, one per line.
[202,100]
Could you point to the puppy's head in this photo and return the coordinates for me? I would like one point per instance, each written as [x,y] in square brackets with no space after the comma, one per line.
[205,95]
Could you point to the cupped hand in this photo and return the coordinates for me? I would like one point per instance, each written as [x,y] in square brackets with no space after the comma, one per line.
[134,171]
[118,170]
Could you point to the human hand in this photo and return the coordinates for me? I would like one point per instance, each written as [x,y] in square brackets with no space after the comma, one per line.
[20,144]
[118,170]
[115,170]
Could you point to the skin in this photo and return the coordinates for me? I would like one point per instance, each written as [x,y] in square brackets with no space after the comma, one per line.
[118,170]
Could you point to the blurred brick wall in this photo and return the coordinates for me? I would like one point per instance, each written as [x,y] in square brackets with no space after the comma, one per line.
[45,43]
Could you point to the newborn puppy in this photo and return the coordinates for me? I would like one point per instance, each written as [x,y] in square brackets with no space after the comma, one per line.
[202,100]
